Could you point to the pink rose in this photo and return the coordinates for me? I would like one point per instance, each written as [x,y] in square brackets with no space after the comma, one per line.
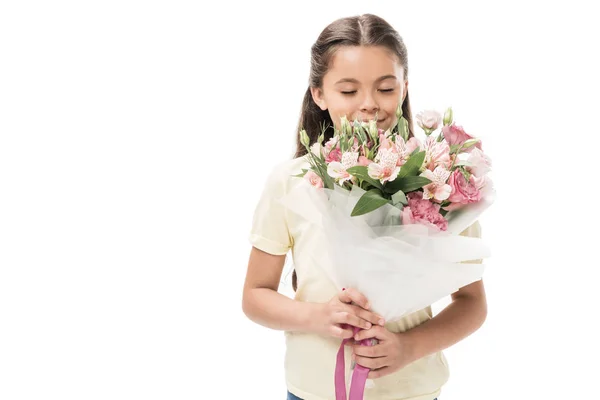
[463,192]
[456,135]
[329,145]
[314,179]
[479,163]
[422,211]
[429,120]
[334,155]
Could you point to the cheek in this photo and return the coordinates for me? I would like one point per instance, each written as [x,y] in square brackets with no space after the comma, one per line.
[336,114]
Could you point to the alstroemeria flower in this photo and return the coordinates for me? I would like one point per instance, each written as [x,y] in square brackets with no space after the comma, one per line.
[436,153]
[384,168]
[337,170]
[438,189]
[405,149]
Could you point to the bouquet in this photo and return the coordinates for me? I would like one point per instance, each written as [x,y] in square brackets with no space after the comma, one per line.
[425,179]
[391,208]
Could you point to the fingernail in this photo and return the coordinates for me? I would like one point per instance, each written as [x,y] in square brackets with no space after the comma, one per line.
[368,325]
[367,305]
[381,322]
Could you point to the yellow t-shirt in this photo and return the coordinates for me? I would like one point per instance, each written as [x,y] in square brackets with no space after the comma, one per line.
[310,358]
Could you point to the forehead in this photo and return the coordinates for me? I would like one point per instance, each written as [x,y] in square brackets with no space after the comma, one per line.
[363,63]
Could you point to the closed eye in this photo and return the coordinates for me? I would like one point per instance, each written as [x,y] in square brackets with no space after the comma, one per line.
[354,91]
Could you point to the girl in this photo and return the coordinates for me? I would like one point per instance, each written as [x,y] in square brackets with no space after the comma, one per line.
[359,68]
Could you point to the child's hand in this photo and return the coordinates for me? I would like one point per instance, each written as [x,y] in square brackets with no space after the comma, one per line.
[339,311]
[392,353]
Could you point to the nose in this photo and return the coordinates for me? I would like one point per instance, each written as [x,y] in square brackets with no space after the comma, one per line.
[369,106]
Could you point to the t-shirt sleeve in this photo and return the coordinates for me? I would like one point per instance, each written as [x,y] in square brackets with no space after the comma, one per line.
[269,231]
[474,230]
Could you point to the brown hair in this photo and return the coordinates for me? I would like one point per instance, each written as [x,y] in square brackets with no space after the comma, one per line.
[363,30]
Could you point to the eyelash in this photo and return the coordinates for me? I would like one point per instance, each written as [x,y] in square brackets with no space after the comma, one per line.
[354,91]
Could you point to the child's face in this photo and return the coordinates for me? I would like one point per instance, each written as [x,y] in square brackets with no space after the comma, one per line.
[376,85]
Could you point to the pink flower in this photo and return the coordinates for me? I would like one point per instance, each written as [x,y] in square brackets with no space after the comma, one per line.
[314,179]
[330,145]
[364,161]
[456,135]
[384,168]
[412,144]
[436,153]
[384,142]
[334,155]
[422,211]
[478,163]
[429,120]
[337,169]
[405,149]
[463,192]
[438,189]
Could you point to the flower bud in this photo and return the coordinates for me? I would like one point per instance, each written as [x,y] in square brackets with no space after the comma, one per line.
[399,111]
[373,131]
[345,124]
[304,138]
[448,116]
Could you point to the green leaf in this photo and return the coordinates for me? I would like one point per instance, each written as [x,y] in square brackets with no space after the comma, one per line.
[457,148]
[412,183]
[403,128]
[361,172]
[301,175]
[370,201]
[407,184]
[320,168]
[413,165]
[399,197]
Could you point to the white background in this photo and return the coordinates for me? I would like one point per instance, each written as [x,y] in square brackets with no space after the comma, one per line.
[135,140]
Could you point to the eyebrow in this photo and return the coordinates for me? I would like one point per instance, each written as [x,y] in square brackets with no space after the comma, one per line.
[352,80]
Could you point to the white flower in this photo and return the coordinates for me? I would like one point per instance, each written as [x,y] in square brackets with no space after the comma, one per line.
[317,149]
[438,188]
[429,119]
[384,168]
[337,170]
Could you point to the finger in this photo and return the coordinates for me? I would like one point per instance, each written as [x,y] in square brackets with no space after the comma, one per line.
[352,295]
[376,332]
[378,373]
[340,332]
[369,351]
[372,363]
[367,315]
[345,317]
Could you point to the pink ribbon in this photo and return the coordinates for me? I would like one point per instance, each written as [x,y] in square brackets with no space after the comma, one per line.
[359,376]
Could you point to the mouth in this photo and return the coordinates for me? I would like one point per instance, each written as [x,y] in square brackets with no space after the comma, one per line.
[379,121]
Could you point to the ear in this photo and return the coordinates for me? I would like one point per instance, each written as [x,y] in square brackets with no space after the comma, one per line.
[405,91]
[317,95]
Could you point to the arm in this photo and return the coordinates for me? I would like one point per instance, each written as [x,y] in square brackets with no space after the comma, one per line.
[263,304]
[461,318]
